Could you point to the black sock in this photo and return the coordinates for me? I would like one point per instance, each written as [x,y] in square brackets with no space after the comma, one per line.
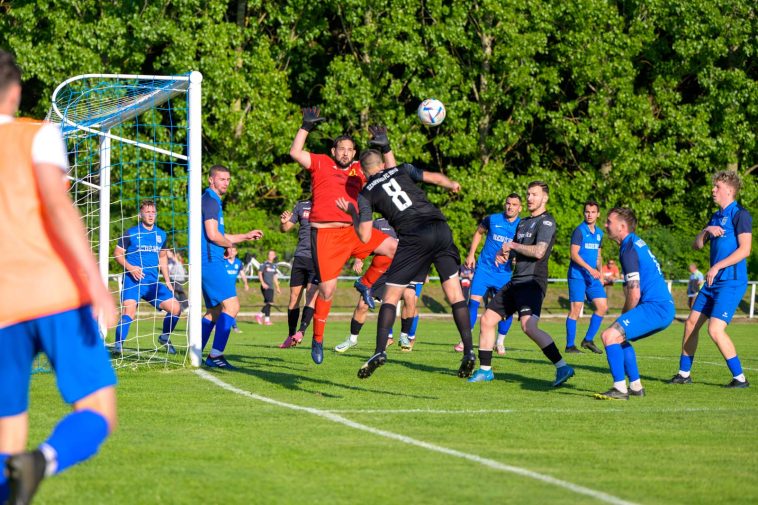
[462,321]
[405,324]
[384,325]
[552,353]
[485,358]
[307,317]
[355,327]
[292,317]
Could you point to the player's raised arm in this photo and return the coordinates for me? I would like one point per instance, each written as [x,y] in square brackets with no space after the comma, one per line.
[441,180]
[311,118]
[285,220]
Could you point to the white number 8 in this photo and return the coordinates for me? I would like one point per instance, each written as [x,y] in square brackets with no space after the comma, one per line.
[399,197]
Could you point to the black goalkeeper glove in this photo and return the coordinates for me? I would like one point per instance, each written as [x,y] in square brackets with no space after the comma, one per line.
[311,118]
[379,138]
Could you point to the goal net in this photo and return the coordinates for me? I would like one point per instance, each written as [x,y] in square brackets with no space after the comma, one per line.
[132,138]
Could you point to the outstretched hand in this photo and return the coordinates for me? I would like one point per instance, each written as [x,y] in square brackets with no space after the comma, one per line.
[311,118]
[253,235]
[455,187]
[379,138]
[285,217]
[345,206]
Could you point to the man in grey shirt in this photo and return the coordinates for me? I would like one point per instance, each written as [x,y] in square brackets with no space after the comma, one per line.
[267,274]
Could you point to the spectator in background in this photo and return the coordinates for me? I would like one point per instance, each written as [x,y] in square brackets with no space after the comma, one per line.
[695,283]
[267,274]
[178,275]
[610,273]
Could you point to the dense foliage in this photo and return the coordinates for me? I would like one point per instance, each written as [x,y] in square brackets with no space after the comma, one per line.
[628,102]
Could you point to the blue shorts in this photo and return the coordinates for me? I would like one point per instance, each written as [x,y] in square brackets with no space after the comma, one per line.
[646,319]
[71,340]
[152,291]
[485,280]
[720,300]
[217,284]
[589,289]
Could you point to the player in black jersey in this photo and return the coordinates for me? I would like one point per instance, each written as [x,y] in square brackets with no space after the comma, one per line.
[530,251]
[424,237]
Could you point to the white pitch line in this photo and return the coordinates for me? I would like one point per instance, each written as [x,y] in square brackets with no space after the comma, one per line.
[495,465]
[523,411]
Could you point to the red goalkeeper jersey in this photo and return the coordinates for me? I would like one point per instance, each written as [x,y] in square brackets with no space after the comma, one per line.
[330,182]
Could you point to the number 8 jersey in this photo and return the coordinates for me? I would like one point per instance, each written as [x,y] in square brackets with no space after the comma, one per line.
[394,194]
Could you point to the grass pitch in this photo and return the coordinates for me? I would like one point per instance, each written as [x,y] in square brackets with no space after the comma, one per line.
[185,439]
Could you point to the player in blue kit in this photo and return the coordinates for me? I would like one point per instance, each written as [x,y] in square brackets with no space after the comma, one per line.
[142,251]
[730,232]
[585,278]
[497,229]
[648,308]
[219,289]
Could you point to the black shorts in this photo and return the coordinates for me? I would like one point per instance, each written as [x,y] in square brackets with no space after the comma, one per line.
[268,295]
[524,298]
[377,290]
[431,243]
[302,271]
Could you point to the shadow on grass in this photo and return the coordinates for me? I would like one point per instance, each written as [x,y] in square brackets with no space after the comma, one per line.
[300,381]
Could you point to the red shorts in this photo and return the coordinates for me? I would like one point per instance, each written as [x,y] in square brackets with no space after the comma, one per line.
[333,247]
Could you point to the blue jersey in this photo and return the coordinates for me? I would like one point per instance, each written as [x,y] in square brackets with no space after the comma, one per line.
[499,231]
[735,220]
[639,264]
[589,243]
[142,247]
[212,208]
[233,268]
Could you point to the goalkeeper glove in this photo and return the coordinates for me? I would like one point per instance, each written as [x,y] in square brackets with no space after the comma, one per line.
[379,138]
[311,118]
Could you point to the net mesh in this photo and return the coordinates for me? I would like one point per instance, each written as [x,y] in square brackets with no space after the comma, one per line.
[127,141]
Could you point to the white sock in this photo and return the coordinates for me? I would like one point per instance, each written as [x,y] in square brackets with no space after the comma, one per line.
[500,339]
[561,363]
[354,338]
[635,385]
[485,368]
[268,319]
[621,386]
[740,377]
[215,353]
[684,374]
[51,457]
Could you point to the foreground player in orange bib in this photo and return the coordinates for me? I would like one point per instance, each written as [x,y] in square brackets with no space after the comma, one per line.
[333,239]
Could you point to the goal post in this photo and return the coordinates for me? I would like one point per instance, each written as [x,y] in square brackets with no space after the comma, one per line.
[131,138]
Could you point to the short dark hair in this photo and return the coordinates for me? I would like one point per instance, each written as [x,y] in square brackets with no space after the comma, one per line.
[146,203]
[541,184]
[627,215]
[219,168]
[514,195]
[370,158]
[728,177]
[592,203]
[341,138]
[10,73]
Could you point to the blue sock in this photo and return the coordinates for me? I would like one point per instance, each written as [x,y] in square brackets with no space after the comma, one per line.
[504,325]
[734,366]
[4,487]
[685,362]
[223,329]
[595,322]
[414,325]
[122,329]
[615,355]
[473,309]
[630,362]
[169,323]
[570,332]
[76,438]
[207,329]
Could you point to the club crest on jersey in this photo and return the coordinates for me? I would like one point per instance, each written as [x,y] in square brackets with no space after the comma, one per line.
[547,223]
[724,220]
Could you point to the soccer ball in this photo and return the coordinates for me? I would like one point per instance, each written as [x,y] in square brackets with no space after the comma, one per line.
[431,112]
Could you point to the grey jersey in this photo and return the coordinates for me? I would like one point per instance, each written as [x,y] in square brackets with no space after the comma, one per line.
[383,226]
[269,272]
[301,214]
[530,231]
